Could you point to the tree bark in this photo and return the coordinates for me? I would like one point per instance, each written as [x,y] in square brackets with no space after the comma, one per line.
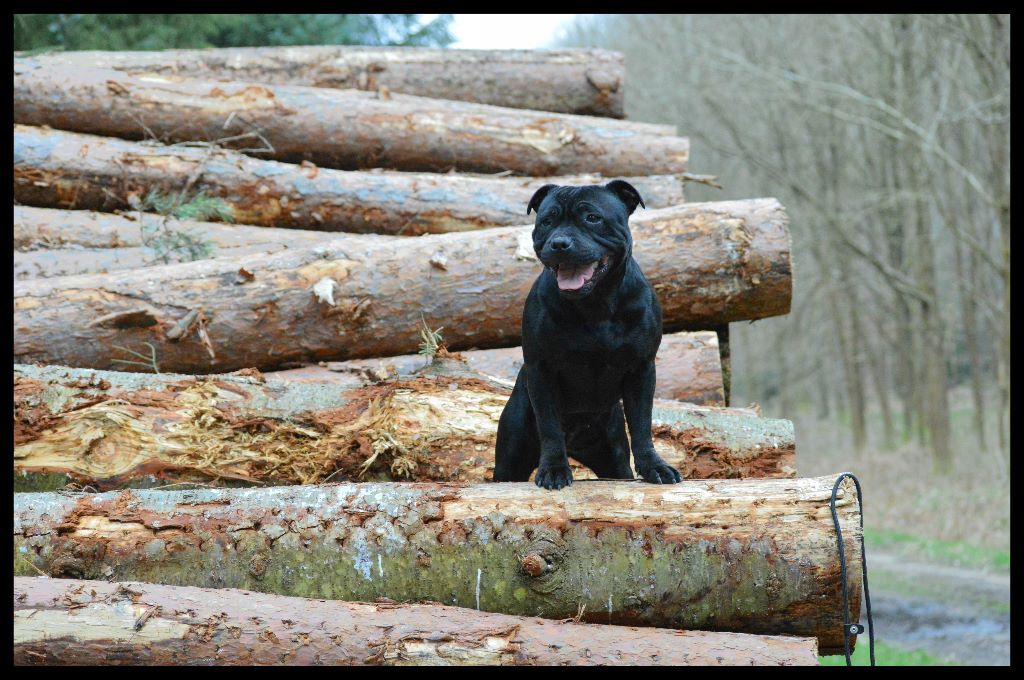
[968,292]
[71,242]
[366,296]
[687,364]
[751,556]
[74,622]
[566,81]
[57,169]
[107,429]
[344,129]
[37,229]
[877,363]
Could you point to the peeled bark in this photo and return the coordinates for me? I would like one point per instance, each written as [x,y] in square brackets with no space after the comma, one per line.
[748,556]
[76,622]
[688,367]
[345,129]
[108,429]
[586,81]
[368,296]
[58,169]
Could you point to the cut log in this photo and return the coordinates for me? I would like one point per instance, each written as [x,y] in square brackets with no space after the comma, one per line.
[345,129]
[37,229]
[108,428]
[70,242]
[688,367]
[66,242]
[749,556]
[59,169]
[585,81]
[363,296]
[75,622]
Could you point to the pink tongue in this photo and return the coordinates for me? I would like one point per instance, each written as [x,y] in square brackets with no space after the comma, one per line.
[573,278]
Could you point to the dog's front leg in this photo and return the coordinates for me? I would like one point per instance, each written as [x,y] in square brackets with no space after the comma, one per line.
[637,402]
[553,468]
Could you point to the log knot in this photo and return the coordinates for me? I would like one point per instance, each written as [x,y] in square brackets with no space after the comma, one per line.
[534,564]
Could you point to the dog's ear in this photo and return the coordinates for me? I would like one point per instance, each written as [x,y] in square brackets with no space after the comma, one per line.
[538,197]
[626,193]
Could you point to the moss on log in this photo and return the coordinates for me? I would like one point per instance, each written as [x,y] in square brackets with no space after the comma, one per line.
[344,129]
[107,429]
[58,169]
[752,556]
[63,621]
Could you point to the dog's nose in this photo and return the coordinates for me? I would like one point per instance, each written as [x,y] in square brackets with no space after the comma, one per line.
[561,243]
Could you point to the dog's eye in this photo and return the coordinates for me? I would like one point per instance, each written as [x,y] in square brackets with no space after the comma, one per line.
[592,218]
[546,222]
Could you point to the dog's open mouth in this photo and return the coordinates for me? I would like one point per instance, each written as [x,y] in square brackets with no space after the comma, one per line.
[578,277]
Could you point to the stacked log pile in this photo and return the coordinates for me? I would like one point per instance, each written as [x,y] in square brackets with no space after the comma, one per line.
[282,359]
[753,555]
[364,296]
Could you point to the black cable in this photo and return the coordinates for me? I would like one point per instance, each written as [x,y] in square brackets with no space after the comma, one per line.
[849,630]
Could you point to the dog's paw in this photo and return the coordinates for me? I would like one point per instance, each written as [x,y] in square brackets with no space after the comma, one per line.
[660,472]
[553,477]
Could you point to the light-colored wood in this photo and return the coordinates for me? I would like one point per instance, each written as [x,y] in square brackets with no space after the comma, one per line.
[587,81]
[754,556]
[99,623]
[106,429]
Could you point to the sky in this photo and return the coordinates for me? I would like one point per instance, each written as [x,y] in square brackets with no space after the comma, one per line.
[506,31]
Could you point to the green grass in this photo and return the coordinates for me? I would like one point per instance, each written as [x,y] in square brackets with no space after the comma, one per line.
[885,655]
[938,550]
[883,581]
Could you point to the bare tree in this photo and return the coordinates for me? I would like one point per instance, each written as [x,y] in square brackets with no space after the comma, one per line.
[887,138]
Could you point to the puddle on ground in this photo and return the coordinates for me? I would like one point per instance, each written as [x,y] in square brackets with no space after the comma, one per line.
[942,632]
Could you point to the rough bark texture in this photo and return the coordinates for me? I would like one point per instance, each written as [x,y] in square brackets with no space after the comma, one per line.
[60,169]
[688,366]
[752,556]
[58,621]
[66,242]
[37,229]
[344,129]
[70,242]
[106,428]
[586,81]
[364,296]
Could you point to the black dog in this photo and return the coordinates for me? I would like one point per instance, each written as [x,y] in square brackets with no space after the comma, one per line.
[591,328]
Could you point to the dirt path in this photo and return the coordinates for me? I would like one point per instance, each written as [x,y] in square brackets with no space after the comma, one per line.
[953,613]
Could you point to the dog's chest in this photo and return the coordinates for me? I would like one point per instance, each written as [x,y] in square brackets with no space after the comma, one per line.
[592,361]
[607,342]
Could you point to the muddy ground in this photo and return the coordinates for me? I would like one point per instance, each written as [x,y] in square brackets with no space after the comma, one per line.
[954,613]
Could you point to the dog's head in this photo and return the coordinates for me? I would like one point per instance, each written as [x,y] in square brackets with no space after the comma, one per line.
[582,233]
